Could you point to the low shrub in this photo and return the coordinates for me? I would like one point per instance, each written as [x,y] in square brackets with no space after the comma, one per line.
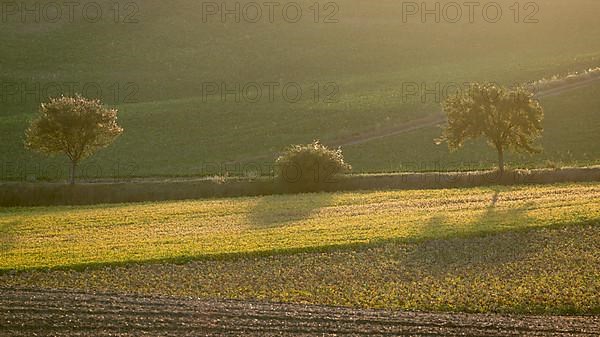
[310,167]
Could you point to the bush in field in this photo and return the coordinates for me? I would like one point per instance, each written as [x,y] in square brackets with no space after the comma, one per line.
[74,126]
[310,167]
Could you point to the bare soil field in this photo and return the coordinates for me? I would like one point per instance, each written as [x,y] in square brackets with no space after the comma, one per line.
[34,312]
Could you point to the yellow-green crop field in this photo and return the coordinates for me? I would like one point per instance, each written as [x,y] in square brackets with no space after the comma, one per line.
[69,237]
[548,270]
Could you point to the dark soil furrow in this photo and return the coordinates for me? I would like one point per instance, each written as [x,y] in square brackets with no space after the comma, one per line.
[29,312]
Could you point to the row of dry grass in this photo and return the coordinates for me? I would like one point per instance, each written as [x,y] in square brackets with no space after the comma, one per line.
[140,190]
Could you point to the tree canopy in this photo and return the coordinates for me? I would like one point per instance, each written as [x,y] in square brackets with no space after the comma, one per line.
[74,126]
[506,118]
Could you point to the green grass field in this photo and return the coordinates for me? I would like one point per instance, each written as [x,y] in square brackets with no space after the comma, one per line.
[569,139]
[521,249]
[171,131]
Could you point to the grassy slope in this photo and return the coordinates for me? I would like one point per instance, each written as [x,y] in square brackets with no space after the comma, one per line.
[71,236]
[369,53]
[571,126]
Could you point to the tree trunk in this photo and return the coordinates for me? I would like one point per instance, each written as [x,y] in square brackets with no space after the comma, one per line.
[500,159]
[73,169]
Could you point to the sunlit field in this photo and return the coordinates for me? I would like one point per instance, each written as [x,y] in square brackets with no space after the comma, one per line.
[534,248]
[79,236]
[300,168]
[543,271]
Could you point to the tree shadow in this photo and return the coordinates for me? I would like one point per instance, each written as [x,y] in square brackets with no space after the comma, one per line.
[507,216]
[278,211]
[479,244]
[8,235]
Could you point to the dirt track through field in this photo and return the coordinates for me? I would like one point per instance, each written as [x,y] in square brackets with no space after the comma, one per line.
[438,118]
[430,120]
[29,312]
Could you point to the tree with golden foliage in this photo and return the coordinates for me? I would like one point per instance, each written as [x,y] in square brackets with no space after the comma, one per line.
[507,118]
[75,126]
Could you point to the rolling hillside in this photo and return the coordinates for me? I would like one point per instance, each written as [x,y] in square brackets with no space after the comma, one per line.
[161,65]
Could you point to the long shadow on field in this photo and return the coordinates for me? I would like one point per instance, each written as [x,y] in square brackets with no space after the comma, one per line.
[7,235]
[442,256]
[277,211]
[498,214]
